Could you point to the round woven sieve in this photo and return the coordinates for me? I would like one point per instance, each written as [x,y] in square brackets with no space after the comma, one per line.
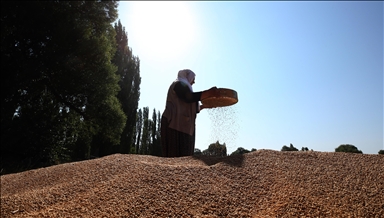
[226,97]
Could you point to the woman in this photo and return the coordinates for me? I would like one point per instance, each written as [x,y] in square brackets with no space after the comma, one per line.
[178,118]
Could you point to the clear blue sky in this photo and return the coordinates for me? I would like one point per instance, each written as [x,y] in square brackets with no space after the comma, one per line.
[306,73]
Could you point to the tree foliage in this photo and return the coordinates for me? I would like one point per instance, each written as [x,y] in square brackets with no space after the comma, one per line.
[58,85]
[148,141]
[290,148]
[197,152]
[128,69]
[304,149]
[240,151]
[155,134]
[216,149]
[139,127]
[145,138]
[381,152]
[347,148]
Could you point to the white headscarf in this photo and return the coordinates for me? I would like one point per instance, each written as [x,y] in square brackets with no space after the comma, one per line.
[186,76]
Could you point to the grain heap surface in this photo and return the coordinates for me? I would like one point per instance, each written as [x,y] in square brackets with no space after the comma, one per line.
[263,183]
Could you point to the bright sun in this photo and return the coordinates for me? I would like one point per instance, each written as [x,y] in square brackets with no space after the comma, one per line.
[163,30]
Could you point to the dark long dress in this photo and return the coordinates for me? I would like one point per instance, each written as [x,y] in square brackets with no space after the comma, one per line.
[175,143]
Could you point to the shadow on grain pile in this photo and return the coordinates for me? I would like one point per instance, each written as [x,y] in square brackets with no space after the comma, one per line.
[235,160]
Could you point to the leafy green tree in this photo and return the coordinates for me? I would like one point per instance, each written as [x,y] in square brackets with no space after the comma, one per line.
[147,132]
[129,71]
[240,151]
[304,149]
[347,148]
[290,148]
[216,149]
[197,152]
[153,124]
[381,152]
[156,138]
[139,128]
[58,83]
[146,137]
[158,135]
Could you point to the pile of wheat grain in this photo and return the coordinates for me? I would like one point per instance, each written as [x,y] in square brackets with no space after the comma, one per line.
[263,183]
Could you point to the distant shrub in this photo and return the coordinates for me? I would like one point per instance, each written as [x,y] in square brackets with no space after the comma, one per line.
[241,150]
[197,152]
[290,148]
[381,152]
[304,149]
[348,148]
[216,149]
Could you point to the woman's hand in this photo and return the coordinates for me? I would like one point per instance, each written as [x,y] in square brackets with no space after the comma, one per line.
[212,92]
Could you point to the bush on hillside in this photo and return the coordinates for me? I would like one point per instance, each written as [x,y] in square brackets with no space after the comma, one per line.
[348,148]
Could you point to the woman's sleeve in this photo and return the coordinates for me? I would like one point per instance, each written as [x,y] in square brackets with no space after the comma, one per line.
[183,92]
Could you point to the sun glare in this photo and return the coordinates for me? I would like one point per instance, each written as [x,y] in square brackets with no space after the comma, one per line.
[163,30]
